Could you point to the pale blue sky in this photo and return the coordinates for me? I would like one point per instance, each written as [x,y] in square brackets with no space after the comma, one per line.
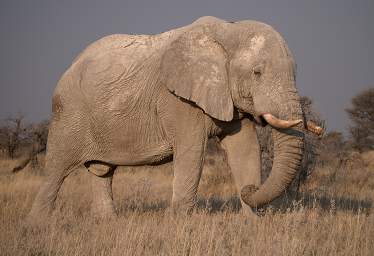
[332,42]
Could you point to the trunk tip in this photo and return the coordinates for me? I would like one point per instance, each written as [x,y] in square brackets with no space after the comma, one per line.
[246,194]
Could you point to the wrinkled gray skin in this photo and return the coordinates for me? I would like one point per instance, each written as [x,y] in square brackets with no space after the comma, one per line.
[141,99]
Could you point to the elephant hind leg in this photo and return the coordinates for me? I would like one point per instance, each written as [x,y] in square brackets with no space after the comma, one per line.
[45,199]
[101,187]
[64,155]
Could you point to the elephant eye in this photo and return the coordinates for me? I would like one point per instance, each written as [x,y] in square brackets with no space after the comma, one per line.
[257,71]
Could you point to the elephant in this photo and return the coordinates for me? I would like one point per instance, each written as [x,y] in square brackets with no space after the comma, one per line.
[132,100]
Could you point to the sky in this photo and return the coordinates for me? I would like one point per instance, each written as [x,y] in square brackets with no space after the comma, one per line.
[332,42]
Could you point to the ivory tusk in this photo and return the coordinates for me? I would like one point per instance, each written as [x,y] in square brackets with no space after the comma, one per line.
[312,127]
[284,124]
[279,123]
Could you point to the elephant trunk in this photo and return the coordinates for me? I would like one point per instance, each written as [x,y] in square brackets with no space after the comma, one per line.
[288,147]
[287,123]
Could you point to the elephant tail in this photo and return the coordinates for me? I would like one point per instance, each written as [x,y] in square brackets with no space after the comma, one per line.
[26,161]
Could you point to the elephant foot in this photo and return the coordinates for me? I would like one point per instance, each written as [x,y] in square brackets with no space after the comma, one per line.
[40,214]
[33,222]
[103,207]
[183,207]
[177,212]
[39,220]
[104,216]
[248,212]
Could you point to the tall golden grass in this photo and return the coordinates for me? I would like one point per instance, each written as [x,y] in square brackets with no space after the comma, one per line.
[331,216]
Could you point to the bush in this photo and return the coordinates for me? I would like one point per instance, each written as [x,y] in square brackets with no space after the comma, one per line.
[12,135]
[362,115]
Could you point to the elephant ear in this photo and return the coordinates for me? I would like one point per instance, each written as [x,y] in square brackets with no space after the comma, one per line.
[194,67]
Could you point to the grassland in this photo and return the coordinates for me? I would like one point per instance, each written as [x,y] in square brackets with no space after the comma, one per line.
[331,216]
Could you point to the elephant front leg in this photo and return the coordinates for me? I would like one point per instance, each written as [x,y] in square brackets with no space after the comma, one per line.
[189,148]
[101,187]
[243,156]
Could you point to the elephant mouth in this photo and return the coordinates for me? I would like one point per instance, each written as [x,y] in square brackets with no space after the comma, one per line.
[275,122]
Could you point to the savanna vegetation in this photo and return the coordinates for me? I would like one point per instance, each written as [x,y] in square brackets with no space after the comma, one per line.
[327,211]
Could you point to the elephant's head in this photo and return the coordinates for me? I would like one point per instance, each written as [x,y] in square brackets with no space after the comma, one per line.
[245,66]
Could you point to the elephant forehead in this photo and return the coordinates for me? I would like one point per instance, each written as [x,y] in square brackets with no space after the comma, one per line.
[254,48]
[205,46]
[257,43]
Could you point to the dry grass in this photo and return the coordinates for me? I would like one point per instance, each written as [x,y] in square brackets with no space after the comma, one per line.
[331,217]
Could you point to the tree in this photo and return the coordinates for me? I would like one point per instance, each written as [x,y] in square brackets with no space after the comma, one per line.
[12,134]
[37,135]
[361,114]
[312,142]
[332,148]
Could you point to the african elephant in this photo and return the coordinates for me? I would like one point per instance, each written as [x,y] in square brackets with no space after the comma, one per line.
[145,99]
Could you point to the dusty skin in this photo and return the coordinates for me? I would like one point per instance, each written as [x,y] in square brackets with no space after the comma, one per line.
[130,100]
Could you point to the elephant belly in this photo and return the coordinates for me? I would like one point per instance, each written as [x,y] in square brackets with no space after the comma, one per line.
[157,155]
[134,142]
